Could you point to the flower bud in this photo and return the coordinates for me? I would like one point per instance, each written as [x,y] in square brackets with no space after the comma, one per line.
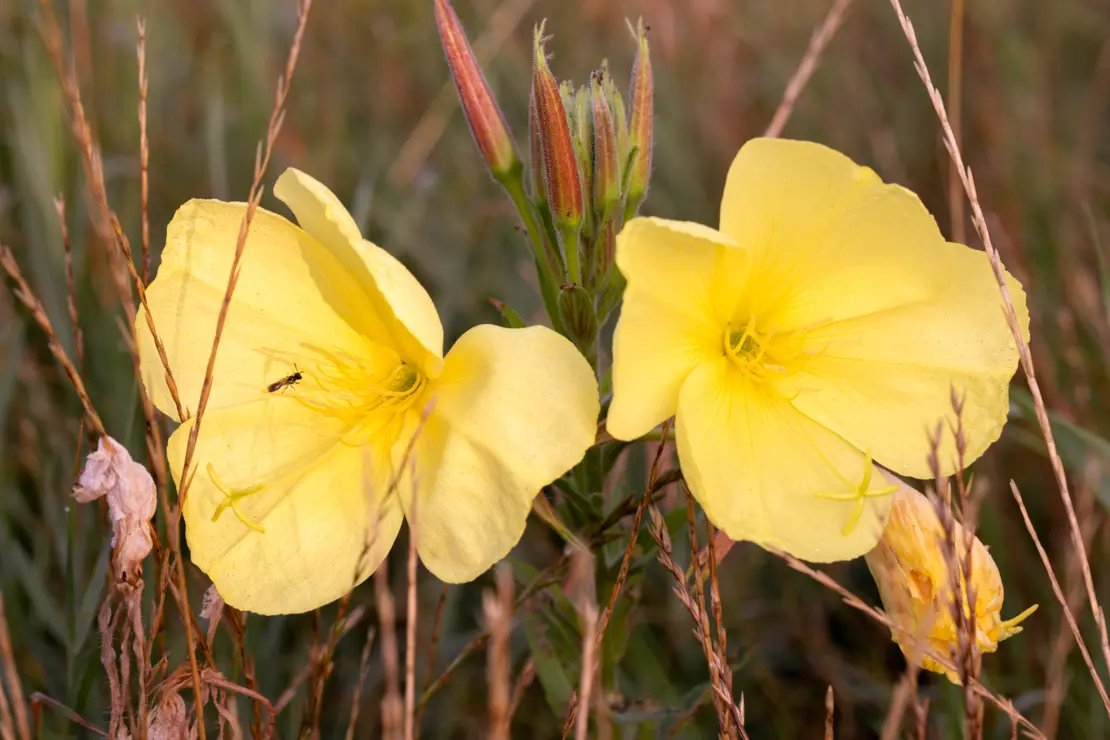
[620,120]
[606,169]
[584,149]
[560,165]
[487,123]
[579,317]
[535,153]
[911,569]
[640,125]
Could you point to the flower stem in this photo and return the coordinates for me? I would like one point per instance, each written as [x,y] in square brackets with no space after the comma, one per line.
[545,268]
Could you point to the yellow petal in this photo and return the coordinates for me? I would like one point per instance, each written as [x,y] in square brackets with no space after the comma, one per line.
[894,316]
[764,472]
[409,313]
[300,518]
[683,281]
[292,294]
[513,410]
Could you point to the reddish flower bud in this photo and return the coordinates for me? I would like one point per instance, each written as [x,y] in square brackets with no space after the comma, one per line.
[560,165]
[487,123]
[642,92]
[535,151]
[607,178]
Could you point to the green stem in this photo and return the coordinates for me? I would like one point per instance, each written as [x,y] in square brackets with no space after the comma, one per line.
[514,186]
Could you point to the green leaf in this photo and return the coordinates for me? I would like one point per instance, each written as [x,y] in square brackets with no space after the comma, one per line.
[546,642]
[508,315]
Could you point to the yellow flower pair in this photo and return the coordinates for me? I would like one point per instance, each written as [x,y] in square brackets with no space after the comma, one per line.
[821,328]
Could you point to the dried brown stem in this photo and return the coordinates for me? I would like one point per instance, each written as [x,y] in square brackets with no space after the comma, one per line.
[322,665]
[905,692]
[387,627]
[817,43]
[25,296]
[237,624]
[144,150]
[497,608]
[11,678]
[545,579]
[830,714]
[62,709]
[7,722]
[1068,616]
[411,620]
[523,681]
[715,592]
[589,670]
[71,285]
[433,645]
[363,670]
[734,716]
[955,105]
[1057,677]
[880,616]
[980,223]
[718,667]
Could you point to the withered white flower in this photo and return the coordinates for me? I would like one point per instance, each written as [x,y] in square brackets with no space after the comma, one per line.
[111,473]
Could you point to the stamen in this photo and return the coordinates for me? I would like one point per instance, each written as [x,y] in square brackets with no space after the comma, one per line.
[231,500]
[365,393]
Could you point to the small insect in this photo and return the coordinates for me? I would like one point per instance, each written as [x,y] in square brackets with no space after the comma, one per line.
[287,382]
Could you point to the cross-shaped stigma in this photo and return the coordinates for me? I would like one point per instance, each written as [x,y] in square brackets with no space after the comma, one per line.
[860,495]
[231,500]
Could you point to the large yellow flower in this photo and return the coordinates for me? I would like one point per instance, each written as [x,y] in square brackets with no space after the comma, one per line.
[330,359]
[823,327]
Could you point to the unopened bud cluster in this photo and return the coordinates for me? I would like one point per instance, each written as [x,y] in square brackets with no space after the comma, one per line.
[590,166]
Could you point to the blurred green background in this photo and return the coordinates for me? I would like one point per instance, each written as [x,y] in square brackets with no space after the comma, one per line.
[368,115]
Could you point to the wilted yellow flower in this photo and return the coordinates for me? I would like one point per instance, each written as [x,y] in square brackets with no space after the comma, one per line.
[824,326]
[331,354]
[911,569]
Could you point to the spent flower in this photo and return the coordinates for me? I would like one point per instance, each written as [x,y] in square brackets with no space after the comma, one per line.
[822,327]
[911,568]
[129,490]
[334,414]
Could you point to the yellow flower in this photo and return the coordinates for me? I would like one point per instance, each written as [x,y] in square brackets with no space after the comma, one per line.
[331,355]
[823,327]
[911,570]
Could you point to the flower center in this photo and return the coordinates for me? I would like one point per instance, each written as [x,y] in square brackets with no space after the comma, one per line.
[764,354]
[372,396]
[752,351]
